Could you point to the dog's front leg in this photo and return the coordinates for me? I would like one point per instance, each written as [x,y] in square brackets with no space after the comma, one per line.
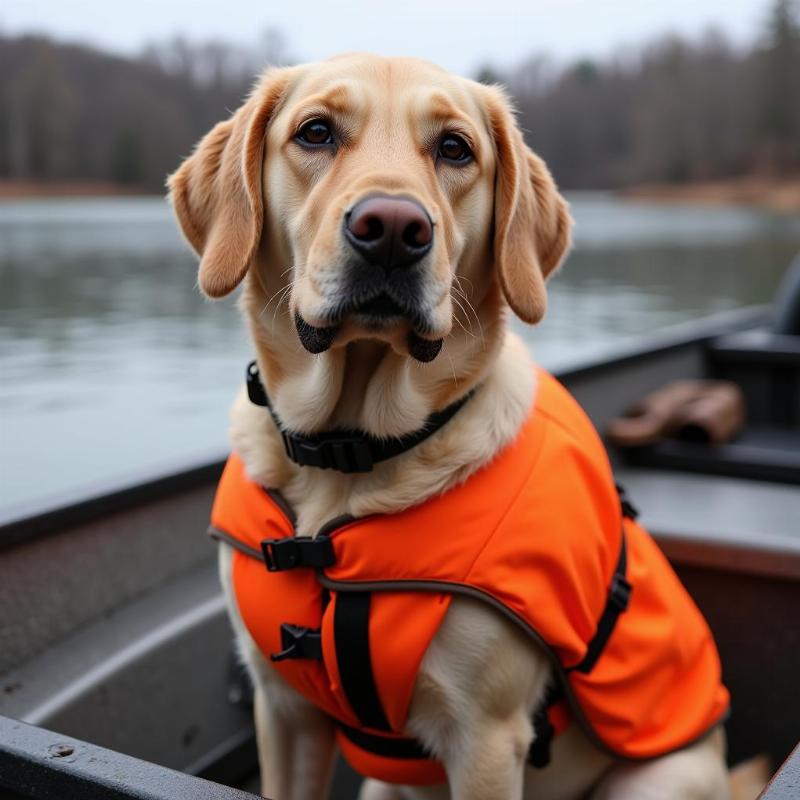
[295,745]
[295,740]
[490,763]
[472,703]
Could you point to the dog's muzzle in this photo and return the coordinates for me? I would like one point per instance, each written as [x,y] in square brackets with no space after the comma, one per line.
[388,237]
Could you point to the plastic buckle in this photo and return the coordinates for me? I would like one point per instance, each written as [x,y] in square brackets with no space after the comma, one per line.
[283,554]
[343,453]
[620,592]
[350,455]
[298,642]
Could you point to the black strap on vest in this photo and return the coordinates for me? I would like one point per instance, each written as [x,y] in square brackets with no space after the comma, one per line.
[346,450]
[543,733]
[619,595]
[351,639]
[384,746]
[543,728]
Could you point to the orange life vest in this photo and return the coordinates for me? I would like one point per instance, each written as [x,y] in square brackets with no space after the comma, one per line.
[540,535]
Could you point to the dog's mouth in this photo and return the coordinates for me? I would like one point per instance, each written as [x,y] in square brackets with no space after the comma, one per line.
[379,308]
[375,314]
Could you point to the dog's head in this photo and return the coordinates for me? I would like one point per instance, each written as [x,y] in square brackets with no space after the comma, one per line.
[377,195]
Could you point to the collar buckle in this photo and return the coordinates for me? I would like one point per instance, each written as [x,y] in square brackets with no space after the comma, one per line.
[343,453]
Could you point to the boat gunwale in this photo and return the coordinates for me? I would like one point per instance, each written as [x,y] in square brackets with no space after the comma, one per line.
[37,762]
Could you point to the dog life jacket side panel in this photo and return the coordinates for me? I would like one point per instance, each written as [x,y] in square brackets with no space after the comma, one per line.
[536,533]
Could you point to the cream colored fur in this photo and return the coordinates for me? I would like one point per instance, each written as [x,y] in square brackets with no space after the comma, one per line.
[259,209]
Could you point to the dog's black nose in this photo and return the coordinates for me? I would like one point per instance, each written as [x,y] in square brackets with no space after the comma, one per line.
[389,231]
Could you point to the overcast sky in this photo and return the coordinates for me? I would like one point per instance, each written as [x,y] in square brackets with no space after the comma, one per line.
[457,35]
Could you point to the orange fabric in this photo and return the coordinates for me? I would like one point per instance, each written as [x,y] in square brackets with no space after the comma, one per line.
[537,532]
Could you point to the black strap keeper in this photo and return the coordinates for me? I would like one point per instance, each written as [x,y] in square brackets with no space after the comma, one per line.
[629,510]
[299,642]
[297,551]
[619,593]
[617,599]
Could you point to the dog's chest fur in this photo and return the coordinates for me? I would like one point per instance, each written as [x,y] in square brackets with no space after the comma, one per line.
[486,424]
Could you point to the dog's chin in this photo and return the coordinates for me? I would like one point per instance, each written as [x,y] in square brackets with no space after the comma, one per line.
[395,330]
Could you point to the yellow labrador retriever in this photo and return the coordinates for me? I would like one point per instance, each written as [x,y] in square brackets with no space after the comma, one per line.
[327,170]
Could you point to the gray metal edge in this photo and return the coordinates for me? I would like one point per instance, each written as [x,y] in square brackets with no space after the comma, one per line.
[785,783]
[43,765]
[54,514]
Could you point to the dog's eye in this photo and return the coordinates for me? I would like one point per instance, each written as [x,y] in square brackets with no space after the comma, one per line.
[315,132]
[454,148]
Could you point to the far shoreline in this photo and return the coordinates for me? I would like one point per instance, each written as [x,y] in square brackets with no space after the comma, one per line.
[770,194]
[44,190]
[779,195]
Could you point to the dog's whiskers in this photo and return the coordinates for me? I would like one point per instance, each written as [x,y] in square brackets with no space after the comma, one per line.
[461,293]
[459,278]
[458,291]
[461,324]
[287,290]
[281,295]
[282,289]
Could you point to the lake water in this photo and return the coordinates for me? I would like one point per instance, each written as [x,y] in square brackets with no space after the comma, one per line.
[111,363]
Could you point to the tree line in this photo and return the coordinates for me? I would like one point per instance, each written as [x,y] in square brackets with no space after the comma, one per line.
[674,110]
[74,113]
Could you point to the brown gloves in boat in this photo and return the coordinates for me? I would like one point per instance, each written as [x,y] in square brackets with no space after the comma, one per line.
[707,411]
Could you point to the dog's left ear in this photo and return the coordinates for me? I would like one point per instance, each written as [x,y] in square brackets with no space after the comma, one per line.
[217,192]
[532,220]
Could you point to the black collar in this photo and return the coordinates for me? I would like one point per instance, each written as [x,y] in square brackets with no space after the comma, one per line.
[345,450]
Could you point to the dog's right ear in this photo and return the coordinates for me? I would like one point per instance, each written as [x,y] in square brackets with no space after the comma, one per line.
[217,192]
